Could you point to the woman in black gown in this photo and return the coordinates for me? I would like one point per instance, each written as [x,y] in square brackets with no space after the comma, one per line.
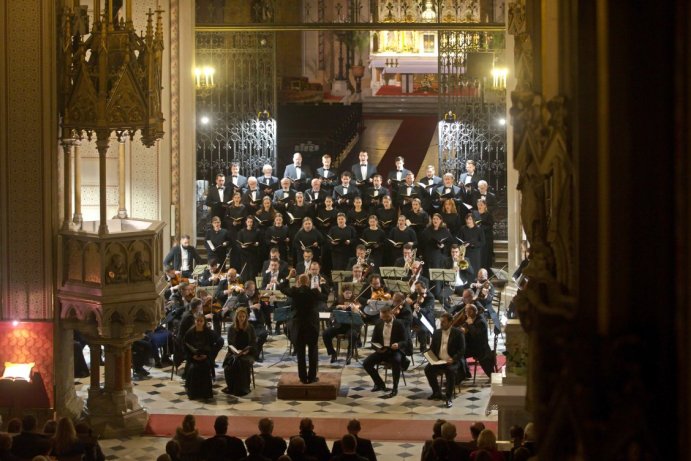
[486,222]
[418,219]
[248,240]
[436,239]
[375,238]
[242,347]
[277,236]
[357,217]
[474,239]
[234,222]
[341,237]
[250,299]
[387,214]
[326,215]
[199,342]
[399,236]
[450,216]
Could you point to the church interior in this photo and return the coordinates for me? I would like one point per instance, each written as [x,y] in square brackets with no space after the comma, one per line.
[151,151]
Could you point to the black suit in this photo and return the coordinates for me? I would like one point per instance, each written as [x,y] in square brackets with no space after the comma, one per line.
[305,176]
[215,200]
[344,198]
[477,345]
[357,172]
[392,177]
[426,310]
[456,351]
[241,183]
[364,448]
[315,445]
[223,448]
[394,357]
[174,257]
[304,327]
[26,445]
[329,178]
[274,446]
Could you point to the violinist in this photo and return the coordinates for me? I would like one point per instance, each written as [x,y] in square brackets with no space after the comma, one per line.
[212,275]
[346,301]
[402,310]
[422,304]
[228,289]
[416,275]
[483,294]
[250,298]
[374,292]
[477,346]
[211,306]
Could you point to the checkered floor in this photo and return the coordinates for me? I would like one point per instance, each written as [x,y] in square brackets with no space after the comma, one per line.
[161,395]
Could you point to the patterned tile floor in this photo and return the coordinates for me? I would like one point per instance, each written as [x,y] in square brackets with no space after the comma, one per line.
[161,395]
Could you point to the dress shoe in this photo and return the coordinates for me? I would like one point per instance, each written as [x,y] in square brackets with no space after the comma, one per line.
[448,404]
[225,390]
[434,396]
[313,380]
[390,395]
[334,357]
[379,387]
[348,360]
[304,380]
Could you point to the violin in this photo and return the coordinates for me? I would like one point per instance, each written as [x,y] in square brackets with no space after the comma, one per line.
[177,280]
[380,295]
[459,319]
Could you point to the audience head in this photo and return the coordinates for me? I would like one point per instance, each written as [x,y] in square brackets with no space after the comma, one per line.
[189,423]
[521,454]
[348,443]
[29,423]
[448,431]
[516,433]
[5,442]
[487,440]
[254,444]
[266,426]
[529,433]
[173,449]
[296,445]
[14,426]
[65,435]
[436,428]
[50,427]
[483,455]
[164,457]
[306,425]
[221,425]
[40,458]
[475,429]
[354,426]
[440,448]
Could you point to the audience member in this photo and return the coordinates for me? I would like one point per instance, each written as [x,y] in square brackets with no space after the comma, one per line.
[274,446]
[529,438]
[349,445]
[29,443]
[439,451]
[521,454]
[14,426]
[364,446]
[436,433]
[66,445]
[482,455]
[255,448]
[6,448]
[188,438]
[50,427]
[455,450]
[222,447]
[92,450]
[164,457]
[173,450]
[475,430]
[315,445]
[297,450]
[488,441]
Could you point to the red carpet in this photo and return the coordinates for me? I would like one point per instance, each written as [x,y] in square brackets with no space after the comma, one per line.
[411,141]
[331,428]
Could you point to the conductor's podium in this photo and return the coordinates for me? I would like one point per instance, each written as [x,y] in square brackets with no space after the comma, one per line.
[290,387]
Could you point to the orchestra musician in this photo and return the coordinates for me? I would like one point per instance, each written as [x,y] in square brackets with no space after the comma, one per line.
[483,294]
[391,344]
[346,302]
[464,271]
[317,280]
[228,290]
[275,255]
[422,305]
[374,292]
[250,298]
[271,280]
[183,257]
[402,310]
[448,344]
[212,275]
[357,275]
[304,265]
[362,259]
[474,328]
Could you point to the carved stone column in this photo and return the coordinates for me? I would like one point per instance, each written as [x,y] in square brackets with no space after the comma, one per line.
[122,209]
[77,218]
[102,146]
[67,182]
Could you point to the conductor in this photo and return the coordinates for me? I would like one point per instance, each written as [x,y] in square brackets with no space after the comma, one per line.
[304,327]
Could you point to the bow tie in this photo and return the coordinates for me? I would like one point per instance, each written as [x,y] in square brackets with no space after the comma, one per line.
[363,164]
[221,188]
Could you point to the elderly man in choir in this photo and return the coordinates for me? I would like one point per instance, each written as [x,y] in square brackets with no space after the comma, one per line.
[448,347]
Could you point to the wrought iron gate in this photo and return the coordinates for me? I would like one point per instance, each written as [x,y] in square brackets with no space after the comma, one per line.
[229,124]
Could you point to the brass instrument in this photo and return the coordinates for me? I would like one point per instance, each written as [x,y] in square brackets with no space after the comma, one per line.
[462,263]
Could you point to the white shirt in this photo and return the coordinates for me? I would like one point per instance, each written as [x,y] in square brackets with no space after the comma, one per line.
[363,171]
[398,175]
[267,180]
[444,348]
[326,172]
[376,192]
[185,266]
[235,180]
[316,195]
[408,190]
[468,179]
[286,193]
[298,172]
[387,333]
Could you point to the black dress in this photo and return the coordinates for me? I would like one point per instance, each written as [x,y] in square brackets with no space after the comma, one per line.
[487,225]
[238,368]
[379,238]
[324,219]
[342,249]
[453,222]
[198,383]
[247,240]
[308,240]
[358,219]
[475,236]
[387,218]
[432,239]
[418,221]
[235,222]
[276,237]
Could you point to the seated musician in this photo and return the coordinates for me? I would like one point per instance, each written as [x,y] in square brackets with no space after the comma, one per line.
[362,260]
[304,265]
[483,294]
[228,289]
[391,344]
[422,304]
[212,275]
[374,292]
[346,302]
[211,306]
[448,344]
[464,271]
[177,305]
[250,298]
[416,275]
[402,310]
[242,350]
[275,255]
[271,279]
[475,330]
[357,275]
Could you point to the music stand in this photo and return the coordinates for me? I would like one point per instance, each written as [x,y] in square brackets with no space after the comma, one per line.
[199,270]
[397,285]
[391,272]
[353,319]
[276,294]
[283,314]
[339,276]
[442,275]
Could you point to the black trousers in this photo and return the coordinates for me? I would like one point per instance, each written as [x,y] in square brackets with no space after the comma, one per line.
[432,371]
[394,358]
[307,351]
[331,332]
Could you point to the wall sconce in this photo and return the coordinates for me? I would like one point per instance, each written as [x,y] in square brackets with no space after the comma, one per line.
[499,78]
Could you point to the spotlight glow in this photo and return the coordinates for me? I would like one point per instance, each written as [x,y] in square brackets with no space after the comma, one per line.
[502,121]
[204,120]
[15,323]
